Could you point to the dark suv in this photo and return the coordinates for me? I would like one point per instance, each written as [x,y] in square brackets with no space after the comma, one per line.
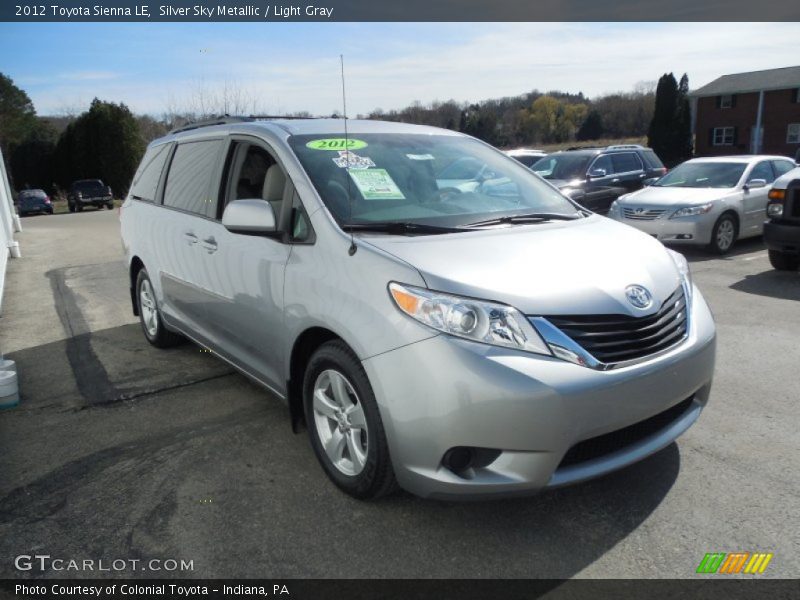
[596,176]
[89,192]
[782,231]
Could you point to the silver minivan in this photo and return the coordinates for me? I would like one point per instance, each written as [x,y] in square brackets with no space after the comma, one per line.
[477,340]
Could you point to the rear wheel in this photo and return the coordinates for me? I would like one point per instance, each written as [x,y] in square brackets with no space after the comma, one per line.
[149,317]
[783,261]
[110,205]
[71,207]
[344,423]
[724,234]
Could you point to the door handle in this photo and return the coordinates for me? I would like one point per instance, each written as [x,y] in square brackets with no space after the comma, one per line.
[190,237]
[209,244]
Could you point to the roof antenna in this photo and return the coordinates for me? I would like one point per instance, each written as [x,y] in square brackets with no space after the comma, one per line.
[353,247]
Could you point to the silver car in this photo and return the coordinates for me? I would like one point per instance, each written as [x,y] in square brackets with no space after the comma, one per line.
[494,341]
[709,202]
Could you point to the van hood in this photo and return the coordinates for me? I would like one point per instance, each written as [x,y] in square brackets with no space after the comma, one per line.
[674,196]
[554,268]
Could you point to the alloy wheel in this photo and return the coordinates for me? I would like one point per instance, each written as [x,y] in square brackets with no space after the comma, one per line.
[340,422]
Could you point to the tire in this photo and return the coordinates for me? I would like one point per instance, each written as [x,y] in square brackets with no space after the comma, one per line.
[782,261]
[149,317]
[724,234]
[110,205]
[71,207]
[360,464]
[79,206]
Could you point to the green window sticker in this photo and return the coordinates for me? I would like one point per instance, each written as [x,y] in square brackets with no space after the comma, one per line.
[336,144]
[376,184]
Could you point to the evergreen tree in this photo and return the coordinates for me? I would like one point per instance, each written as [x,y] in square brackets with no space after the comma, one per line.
[670,129]
[591,128]
[103,143]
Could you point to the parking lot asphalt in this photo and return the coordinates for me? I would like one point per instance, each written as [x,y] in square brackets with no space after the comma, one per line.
[122,451]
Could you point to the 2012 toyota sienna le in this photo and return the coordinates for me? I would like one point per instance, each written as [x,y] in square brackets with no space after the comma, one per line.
[485,338]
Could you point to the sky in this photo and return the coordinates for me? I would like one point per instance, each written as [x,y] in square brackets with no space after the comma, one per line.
[276,68]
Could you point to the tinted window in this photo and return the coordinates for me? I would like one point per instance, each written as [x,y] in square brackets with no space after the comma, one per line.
[604,163]
[89,186]
[652,160]
[625,162]
[145,182]
[762,170]
[527,159]
[782,166]
[190,176]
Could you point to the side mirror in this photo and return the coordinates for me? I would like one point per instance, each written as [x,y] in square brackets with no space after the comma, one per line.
[754,184]
[594,173]
[250,217]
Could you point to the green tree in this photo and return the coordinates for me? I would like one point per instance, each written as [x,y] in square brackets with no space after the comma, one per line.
[17,119]
[31,160]
[103,143]
[591,128]
[669,134]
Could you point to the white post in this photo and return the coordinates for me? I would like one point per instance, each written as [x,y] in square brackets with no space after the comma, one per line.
[756,142]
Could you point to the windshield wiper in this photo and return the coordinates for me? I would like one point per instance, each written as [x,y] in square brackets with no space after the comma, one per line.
[401,227]
[526,218]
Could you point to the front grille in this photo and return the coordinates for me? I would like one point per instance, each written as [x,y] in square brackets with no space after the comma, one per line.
[793,202]
[642,214]
[603,445]
[618,338]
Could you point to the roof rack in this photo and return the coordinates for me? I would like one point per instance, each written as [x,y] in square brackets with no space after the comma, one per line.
[625,147]
[227,119]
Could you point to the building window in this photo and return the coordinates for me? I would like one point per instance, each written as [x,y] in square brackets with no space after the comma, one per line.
[797,96]
[793,133]
[723,136]
[726,101]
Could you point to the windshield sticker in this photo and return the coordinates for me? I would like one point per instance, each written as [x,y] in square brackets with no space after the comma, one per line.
[336,144]
[420,156]
[376,184]
[348,160]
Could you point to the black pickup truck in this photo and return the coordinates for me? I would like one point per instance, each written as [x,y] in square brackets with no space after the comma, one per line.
[782,230]
[89,192]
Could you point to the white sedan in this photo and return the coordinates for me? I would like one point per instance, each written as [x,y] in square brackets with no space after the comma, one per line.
[705,201]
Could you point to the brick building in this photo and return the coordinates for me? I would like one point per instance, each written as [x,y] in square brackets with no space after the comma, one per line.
[729,111]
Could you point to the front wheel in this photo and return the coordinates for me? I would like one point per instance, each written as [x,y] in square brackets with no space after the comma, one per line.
[723,235]
[149,316]
[344,423]
[110,205]
[79,206]
[71,207]
[783,261]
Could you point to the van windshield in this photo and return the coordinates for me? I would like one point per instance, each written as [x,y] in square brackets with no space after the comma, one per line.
[422,179]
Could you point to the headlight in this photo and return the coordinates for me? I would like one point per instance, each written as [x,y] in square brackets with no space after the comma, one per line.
[476,320]
[690,211]
[775,210]
[683,270]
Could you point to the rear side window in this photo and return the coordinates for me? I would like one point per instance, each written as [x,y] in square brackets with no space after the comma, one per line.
[189,177]
[652,160]
[145,182]
[782,166]
[625,162]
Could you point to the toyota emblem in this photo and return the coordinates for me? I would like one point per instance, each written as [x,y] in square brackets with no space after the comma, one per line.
[639,296]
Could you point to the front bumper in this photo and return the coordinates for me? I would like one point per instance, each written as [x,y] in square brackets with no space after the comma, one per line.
[443,393]
[782,237]
[695,230]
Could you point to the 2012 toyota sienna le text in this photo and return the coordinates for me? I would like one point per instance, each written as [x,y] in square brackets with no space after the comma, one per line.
[468,336]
